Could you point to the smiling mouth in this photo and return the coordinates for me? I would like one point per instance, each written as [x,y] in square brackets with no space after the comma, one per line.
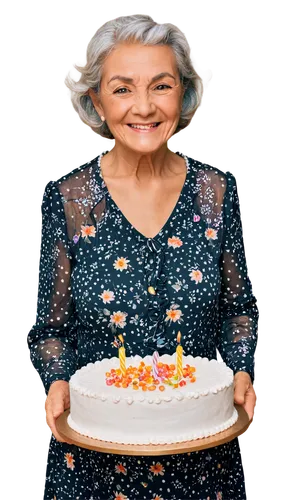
[143,127]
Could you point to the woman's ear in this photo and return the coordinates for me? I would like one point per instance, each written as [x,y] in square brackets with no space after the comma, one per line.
[96,102]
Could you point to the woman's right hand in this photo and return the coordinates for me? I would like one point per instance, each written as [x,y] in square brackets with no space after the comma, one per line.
[58,400]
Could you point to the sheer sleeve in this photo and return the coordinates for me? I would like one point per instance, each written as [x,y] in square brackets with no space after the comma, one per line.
[53,338]
[237,337]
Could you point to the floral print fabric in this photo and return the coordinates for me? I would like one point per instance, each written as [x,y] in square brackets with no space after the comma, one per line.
[97,278]
[211,474]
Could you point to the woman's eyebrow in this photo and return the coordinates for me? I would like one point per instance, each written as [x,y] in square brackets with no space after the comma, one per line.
[130,80]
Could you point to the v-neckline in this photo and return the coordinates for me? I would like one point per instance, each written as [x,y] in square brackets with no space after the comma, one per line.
[127,222]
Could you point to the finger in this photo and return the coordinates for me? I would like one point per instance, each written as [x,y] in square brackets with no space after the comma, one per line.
[250,402]
[54,408]
[52,424]
[54,431]
[240,390]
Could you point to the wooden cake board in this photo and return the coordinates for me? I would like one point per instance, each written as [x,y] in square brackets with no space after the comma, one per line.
[235,430]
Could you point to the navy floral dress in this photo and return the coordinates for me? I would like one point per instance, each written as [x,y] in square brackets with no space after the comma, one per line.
[95,271]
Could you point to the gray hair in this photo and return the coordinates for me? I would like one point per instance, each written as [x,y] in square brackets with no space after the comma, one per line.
[142,29]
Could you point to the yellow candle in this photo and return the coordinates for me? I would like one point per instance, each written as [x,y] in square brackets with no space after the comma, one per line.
[179,353]
[122,360]
[122,356]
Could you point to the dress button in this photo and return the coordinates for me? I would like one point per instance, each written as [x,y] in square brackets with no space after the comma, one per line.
[151,290]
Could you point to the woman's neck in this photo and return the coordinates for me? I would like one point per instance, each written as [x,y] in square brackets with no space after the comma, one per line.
[123,163]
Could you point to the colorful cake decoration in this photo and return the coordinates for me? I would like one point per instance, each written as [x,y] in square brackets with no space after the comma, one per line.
[150,377]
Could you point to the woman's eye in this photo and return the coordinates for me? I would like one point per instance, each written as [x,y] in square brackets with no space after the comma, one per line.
[163,85]
[122,88]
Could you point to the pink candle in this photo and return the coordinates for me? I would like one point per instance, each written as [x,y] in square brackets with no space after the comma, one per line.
[155,359]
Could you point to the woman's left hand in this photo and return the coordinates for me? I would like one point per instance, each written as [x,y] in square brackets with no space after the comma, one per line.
[244,393]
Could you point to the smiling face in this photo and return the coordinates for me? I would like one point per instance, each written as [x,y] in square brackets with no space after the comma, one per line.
[140,85]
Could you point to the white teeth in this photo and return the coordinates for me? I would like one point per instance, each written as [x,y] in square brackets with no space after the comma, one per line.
[144,126]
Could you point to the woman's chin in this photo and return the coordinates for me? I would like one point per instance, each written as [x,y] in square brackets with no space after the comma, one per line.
[143,145]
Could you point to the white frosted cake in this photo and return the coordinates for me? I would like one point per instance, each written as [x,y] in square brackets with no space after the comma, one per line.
[142,409]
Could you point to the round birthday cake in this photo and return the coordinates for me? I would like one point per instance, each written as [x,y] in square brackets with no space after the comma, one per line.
[137,404]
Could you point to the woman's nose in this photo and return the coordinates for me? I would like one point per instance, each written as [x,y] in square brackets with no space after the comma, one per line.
[143,105]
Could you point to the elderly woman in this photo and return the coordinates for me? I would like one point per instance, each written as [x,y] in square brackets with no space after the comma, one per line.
[129,238]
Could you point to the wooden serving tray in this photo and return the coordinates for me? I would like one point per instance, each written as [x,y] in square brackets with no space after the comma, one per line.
[235,430]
